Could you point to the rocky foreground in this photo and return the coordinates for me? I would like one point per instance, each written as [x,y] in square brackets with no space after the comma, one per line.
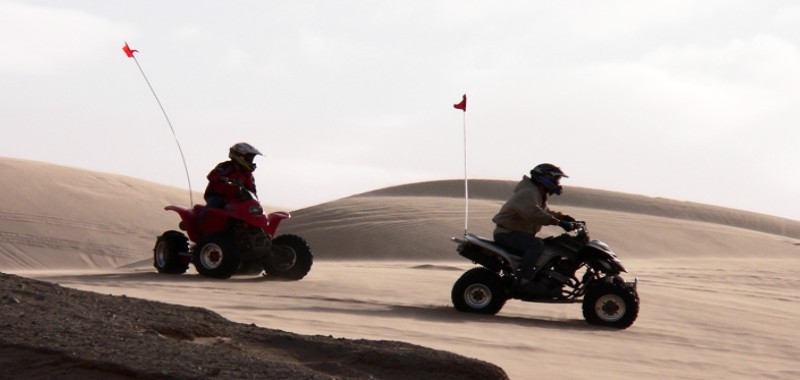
[51,332]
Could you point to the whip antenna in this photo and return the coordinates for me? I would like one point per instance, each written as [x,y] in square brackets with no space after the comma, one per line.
[129,53]
[463,106]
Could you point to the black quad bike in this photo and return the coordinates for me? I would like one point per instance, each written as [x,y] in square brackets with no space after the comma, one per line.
[607,298]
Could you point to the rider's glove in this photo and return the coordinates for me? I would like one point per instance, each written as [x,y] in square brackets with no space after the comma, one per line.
[567,226]
[568,218]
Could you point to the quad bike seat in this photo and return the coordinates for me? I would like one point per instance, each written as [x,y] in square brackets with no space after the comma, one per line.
[480,240]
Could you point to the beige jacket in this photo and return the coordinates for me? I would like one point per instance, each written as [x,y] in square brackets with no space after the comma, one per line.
[526,211]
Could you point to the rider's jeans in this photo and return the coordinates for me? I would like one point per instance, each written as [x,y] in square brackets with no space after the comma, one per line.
[523,242]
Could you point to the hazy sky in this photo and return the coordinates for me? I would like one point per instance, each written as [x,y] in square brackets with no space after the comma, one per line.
[689,100]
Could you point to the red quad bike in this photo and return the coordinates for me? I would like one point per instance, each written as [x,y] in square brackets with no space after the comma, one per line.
[237,239]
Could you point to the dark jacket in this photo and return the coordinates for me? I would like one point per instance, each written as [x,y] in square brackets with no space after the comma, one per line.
[224,180]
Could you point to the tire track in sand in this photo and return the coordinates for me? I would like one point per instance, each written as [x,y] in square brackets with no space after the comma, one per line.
[65,222]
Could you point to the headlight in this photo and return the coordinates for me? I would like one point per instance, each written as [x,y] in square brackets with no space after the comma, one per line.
[256,210]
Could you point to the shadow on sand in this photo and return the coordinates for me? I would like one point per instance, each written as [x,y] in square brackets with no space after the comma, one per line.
[430,313]
[151,276]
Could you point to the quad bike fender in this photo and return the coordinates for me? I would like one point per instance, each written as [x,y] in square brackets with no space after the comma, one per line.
[602,257]
[487,253]
[188,219]
[215,220]
[184,213]
[274,219]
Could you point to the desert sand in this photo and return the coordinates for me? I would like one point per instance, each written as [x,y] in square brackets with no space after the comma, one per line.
[718,287]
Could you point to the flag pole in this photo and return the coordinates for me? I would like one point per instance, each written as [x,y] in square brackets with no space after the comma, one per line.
[466,181]
[130,52]
[463,106]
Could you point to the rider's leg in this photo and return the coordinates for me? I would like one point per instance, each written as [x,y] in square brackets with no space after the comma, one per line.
[530,261]
[212,202]
[531,246]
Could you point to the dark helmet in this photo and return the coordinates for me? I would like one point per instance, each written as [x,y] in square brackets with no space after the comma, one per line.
[243,154]
[549,176]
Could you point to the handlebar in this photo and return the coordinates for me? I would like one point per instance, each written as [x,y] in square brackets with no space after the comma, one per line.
[581,229]
[244,192]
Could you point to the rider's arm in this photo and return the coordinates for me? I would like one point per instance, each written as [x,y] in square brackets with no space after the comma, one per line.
[561,216]
[223,181]
[526,203]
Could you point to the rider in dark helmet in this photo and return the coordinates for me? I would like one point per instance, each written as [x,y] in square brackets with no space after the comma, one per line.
[522,216]
[227,176]
[549,176]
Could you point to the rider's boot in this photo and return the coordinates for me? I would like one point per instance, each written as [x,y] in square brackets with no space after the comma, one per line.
[525,271]
[526,274]
[525,283]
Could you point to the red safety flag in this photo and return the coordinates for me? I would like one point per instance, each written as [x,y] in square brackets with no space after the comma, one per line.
[462,106]
[128,50]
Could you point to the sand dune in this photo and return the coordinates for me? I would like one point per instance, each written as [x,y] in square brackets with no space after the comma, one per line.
[415,221]
[59,217]
[66,218]
[496,190]
[718,286]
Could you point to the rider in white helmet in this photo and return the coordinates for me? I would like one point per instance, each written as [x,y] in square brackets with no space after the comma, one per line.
[226,178]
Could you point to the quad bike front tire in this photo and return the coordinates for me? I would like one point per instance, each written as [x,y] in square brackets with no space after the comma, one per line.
[290,258]
[217,256]
[166,253]
[479,290]
[611,305]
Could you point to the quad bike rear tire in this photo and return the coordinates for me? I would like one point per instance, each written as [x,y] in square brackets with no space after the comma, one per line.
[479,290]
[290,258]
[166,253]
[611,305]
[217,256]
